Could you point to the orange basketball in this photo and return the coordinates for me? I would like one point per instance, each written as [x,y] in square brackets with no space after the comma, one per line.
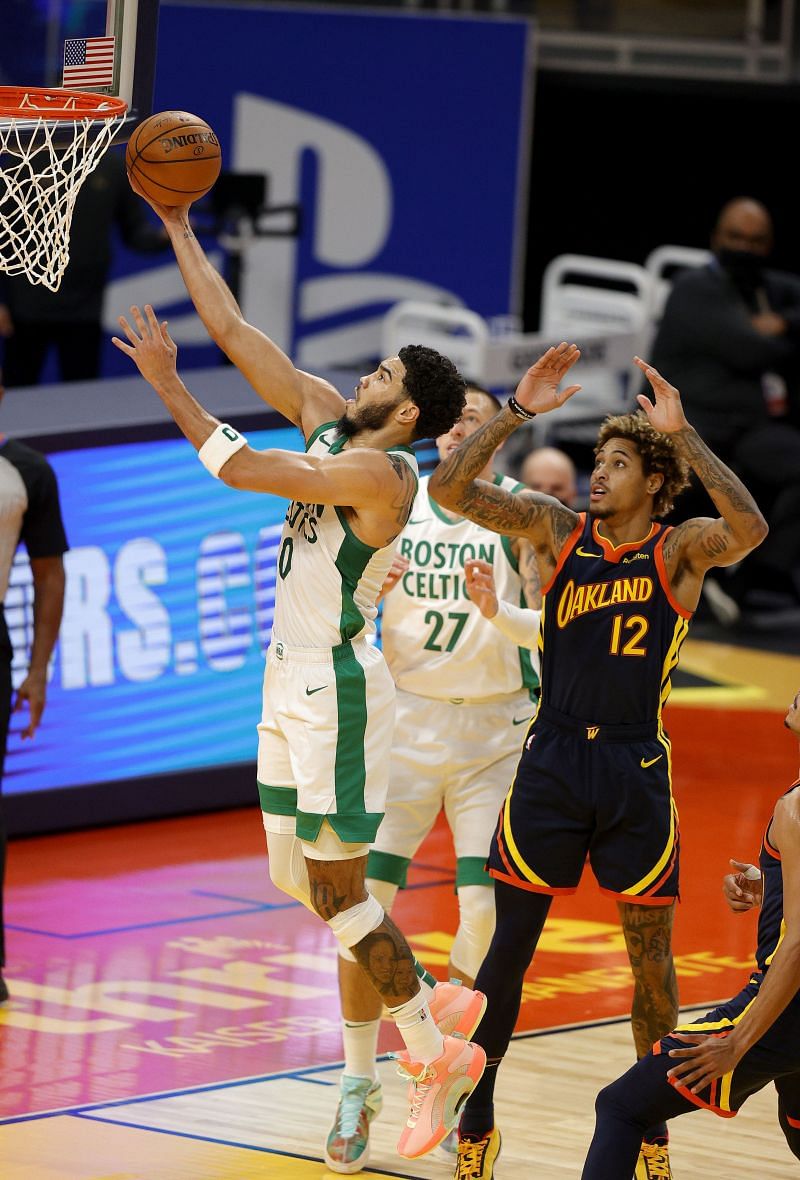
[174,156]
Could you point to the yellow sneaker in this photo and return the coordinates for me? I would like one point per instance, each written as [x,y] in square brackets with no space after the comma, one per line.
[653,1162]
[476,1156]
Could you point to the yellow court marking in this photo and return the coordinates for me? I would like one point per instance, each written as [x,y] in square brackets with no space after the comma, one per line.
[70,1148]
[743,678]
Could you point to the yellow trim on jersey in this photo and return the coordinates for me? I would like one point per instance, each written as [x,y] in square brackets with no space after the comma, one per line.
[671,659]
[658,867]
[710,1026]
[725,1083]
[781,937]
[525,869]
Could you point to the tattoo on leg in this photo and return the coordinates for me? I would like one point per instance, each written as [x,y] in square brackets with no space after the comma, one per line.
[325,900]
[648,938]
[388,963]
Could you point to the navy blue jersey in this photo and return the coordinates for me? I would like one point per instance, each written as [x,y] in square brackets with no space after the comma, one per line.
[770,918]
[611,629]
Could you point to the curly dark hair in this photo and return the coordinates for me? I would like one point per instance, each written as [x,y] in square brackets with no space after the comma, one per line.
[657,452]
[435,385]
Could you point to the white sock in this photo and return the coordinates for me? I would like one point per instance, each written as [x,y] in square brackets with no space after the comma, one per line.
[417,1028]
[360,1039]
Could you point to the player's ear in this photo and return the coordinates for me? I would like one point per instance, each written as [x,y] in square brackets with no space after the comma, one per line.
[655,481]
[407,412]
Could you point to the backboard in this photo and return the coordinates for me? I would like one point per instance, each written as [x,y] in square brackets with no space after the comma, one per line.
[44,39]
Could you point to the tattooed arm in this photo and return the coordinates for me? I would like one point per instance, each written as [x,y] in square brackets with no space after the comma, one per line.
[696,545]
[529,573]
[376,488]
[304,399]
[454,483]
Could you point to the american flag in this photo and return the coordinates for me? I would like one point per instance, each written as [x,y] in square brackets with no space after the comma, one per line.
[88,62]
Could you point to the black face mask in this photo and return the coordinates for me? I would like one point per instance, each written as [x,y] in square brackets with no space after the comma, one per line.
[745,269]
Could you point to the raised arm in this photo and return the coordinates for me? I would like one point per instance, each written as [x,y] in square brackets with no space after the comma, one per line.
[454,483]
[377,486]
[709,1057]
[302,398]
[702,542]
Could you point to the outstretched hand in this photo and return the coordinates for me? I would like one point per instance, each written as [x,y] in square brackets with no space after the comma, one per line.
[151,348]
[165,212]
[665,412]
[538,390]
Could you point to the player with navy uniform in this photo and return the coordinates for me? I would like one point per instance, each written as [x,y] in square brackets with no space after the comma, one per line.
[594,775]
[717,1062]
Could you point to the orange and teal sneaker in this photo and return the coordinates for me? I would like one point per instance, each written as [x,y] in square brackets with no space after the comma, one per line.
[347,1146]
[437,1093]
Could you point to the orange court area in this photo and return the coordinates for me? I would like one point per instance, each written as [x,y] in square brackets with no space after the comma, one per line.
[158,958]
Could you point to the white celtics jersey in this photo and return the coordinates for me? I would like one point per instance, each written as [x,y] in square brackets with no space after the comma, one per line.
[436,641]
[327,581]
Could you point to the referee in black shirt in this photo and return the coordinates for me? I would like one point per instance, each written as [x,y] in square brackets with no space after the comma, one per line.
[29,512]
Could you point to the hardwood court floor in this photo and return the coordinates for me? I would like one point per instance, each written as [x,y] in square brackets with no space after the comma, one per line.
[173,1016]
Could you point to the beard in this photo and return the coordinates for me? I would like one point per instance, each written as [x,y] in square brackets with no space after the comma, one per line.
[600,511]
[365,418]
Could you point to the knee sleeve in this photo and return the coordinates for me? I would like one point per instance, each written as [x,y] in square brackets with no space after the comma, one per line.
[475,928]
[287,866]
[351,926]
[384,893]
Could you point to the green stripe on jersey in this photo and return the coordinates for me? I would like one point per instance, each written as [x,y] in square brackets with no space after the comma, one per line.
[387,866]
[312,438]
[351,561]
[277,800]
[508,548]
[470,871]
[530,680]
[350,771]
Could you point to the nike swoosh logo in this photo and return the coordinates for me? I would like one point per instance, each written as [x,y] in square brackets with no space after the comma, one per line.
[310,691]
[583,553]
[644,764]
[520,720]
[416,522]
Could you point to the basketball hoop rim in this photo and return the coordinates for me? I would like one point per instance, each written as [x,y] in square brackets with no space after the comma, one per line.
[27,103]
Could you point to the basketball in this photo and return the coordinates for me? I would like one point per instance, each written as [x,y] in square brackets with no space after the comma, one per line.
[174,156]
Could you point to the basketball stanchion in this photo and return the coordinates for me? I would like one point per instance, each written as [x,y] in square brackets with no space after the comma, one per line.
[50,140]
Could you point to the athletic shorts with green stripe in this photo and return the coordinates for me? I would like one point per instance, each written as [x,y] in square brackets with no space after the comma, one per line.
[324,739]
[459,755]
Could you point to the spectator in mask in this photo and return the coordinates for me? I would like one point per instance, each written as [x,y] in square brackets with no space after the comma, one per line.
[730,340]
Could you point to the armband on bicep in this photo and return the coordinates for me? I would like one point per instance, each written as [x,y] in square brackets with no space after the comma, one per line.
[219,447]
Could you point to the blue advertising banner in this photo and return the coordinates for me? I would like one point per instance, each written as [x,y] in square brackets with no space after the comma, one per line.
[168,609]
[403,139]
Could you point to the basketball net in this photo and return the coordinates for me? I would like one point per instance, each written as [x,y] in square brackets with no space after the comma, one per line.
[50,140]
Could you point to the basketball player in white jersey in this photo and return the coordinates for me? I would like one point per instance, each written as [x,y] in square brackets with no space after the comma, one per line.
[464,698]
[325,733]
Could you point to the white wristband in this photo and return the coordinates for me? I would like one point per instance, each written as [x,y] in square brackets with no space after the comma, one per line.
[218,448]
[520,624]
